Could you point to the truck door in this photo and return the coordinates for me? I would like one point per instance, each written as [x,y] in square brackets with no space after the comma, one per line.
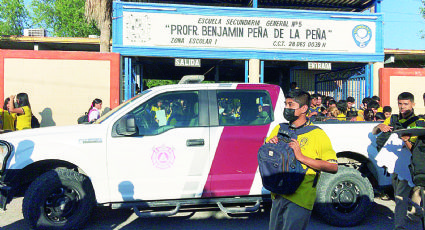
[167,156]
[239,123]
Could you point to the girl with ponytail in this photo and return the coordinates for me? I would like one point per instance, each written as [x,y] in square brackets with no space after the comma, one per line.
[94,111]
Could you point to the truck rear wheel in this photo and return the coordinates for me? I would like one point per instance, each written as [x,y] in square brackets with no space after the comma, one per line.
[343,199]
[58,199]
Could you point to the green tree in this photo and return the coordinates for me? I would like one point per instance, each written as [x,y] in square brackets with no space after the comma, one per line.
[62,18]
[13,17]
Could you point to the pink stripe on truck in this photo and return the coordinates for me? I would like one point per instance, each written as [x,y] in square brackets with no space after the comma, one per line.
[235,163]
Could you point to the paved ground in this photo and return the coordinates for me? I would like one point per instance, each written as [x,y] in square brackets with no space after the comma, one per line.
[380,218]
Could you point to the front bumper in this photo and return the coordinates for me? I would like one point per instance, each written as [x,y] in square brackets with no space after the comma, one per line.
[5,195]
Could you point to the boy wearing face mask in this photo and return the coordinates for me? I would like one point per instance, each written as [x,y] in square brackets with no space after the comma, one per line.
[314,150]
[406,118]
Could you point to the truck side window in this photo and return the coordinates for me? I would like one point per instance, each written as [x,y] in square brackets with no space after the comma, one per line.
[244,107]
[167,111]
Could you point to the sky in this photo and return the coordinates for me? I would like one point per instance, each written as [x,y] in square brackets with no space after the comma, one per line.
[403,23]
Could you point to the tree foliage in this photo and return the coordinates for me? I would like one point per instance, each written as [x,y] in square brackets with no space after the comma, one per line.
[62,18]
[13,17]
[156,82]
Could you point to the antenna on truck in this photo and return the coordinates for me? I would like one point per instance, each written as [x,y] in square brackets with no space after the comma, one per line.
[191,79]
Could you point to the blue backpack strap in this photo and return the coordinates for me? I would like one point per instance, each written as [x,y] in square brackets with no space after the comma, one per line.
[283,127]
[305,129]
[285,133]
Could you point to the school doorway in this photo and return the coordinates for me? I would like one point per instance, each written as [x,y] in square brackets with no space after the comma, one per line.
[343,80]
[149,69]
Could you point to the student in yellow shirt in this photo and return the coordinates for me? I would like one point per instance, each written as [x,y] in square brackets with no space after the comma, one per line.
[363,107]
[342,107]
[387,111]
[23,112]
[377,99]
[374,106]
[314,150]
[8,118]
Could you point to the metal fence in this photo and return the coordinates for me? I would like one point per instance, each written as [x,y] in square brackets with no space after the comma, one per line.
[342,84]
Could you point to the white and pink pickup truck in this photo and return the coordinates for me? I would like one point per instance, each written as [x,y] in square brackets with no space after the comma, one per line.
[173,147]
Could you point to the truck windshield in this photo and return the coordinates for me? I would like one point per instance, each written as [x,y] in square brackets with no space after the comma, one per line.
[108,114]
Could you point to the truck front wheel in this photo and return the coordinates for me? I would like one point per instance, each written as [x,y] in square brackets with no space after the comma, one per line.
[58,199]
[343,199]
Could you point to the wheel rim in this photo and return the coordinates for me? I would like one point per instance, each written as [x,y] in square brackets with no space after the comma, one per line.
[61,204]
[345,197]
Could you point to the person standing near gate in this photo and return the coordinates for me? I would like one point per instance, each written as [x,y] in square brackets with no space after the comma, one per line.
[314,150]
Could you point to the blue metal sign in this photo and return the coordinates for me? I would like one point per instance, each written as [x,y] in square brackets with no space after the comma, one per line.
[167,30]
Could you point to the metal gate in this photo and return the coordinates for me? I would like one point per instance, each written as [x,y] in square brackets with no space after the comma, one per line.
[132,78]
[345,83]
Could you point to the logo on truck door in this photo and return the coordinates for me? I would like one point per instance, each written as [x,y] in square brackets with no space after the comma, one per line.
[163,157]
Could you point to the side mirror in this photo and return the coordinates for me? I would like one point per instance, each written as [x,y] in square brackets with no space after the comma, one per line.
[126,125]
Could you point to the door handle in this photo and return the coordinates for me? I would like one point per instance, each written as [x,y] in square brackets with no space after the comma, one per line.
[195,142]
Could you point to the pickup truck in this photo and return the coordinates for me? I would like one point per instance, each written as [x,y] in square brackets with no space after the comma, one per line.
[173,147]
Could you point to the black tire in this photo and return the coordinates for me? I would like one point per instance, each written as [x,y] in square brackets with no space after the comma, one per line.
[343,199]
[59,199]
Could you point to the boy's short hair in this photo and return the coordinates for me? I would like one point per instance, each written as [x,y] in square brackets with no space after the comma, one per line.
[342,106]
[373,104]
[300,96]
[406,96]
[387,109]
[329,98]
[376,98]
[332,102]
[366,100]
[315,96]
[351,99]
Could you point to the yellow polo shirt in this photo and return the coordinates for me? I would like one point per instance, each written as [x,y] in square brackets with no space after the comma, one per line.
[341,117]
[316,145]
[8,120]
[23,121]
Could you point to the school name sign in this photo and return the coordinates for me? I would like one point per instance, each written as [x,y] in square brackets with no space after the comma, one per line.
[258,33]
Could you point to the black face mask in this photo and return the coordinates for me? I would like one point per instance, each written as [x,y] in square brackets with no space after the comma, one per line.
[289,115]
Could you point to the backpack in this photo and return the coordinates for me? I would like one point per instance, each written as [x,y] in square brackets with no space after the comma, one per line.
[382,138]
[417,167]
[280,171]
[83,119]
[34,122]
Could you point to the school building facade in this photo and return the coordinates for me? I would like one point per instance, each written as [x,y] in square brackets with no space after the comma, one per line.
[331,48]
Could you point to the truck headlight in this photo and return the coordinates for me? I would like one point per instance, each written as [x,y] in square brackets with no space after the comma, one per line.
[5,151]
